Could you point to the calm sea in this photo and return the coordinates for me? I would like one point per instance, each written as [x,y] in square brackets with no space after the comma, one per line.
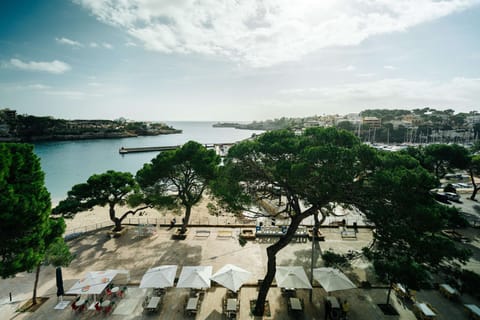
[67,163]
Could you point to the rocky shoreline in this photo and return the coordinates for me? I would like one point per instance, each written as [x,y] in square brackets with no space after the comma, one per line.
[85,136]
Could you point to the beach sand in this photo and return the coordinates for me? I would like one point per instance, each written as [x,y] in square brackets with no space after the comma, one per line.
[200,215]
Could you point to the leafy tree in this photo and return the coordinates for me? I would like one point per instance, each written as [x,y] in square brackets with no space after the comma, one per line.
[313,170]
[441,158]
[385,114]
[111,188]
[408,243]
[26,231]
[476,131]
[346,125]
[179,177]
[474,170]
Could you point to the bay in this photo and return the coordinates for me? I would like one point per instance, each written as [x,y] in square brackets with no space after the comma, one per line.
[67,163]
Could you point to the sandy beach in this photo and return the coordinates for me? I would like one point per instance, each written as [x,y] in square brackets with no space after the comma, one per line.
[99,216]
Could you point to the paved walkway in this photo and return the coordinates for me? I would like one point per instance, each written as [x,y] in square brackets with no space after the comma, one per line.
[137,253]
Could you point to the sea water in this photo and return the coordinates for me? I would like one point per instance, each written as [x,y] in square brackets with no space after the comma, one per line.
[67,163]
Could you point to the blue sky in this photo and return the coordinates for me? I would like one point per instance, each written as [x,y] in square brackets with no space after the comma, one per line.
[237,60]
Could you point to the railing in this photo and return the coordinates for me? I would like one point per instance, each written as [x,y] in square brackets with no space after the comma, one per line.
[71,233]
[89,228]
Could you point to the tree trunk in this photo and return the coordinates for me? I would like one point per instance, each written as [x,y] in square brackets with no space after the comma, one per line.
[118,222]
[188,211]
[389,292]
[475,187]
[272,263]
[37,275]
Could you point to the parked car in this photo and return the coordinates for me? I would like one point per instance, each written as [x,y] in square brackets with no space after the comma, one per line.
[452,196]
[440,197]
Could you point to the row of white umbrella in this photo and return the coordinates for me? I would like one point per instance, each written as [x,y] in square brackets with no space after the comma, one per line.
[233,277]
[196,277]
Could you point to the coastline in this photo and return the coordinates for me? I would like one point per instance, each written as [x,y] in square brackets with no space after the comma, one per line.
[89,136]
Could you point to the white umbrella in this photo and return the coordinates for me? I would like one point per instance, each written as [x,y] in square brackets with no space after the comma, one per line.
[93,283]
[159,277]
[332,279]
[231,277]
[195,277]
[292,277]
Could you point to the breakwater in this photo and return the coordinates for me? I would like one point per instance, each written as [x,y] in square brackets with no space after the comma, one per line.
[220,148]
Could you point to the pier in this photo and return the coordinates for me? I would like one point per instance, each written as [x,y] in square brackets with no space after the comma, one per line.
[124,150]
[220,148]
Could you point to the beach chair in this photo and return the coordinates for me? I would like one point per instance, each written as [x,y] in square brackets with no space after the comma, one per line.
[202,234]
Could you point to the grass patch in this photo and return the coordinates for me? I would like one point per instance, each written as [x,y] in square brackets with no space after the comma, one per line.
[30,307]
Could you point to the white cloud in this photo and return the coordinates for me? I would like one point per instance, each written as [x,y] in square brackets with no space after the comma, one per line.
[458,93]
[366,75]
[38,86]
[93,44]
[130,44]
[107,45]
[348,68]
[69,42]
[69,94]
[55,66]
[389,68]
[264,32]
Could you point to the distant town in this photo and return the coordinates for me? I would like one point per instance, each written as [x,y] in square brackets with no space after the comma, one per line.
[28,128]
[425,125]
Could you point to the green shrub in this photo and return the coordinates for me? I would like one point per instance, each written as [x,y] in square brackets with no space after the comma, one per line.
[332,259]
[242,241]
[470,283]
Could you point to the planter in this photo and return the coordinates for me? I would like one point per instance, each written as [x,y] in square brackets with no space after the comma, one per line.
[178,235]
[319,236]
[116,234]
[247,234]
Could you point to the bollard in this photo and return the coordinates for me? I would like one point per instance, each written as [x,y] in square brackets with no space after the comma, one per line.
[10,296]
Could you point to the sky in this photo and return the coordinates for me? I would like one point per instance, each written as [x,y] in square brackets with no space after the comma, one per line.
[226,60]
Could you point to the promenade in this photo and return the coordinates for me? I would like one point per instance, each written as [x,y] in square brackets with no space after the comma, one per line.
[217,245]
[137,253]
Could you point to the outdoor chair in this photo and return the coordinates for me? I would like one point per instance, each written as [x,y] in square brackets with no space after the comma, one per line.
[145,301]
[74,306]
[108,309]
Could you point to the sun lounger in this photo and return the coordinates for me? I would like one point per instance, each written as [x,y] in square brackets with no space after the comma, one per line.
[202,233]
[424,311]
[448,291]
[473,311]
[224,234]
[348,233]
[295,304]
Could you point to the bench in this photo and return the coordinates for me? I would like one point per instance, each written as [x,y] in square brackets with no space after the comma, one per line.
[348,234]
[224,234]
[202,233]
